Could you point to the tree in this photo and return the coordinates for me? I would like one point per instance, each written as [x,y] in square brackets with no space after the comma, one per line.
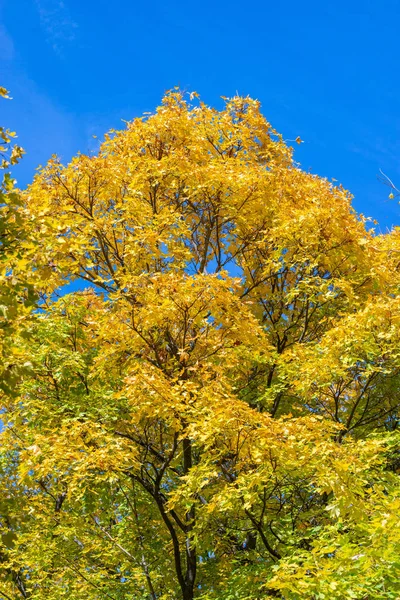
[16,245]
[215,415]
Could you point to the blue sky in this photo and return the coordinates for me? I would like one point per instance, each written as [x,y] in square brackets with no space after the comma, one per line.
[327,72]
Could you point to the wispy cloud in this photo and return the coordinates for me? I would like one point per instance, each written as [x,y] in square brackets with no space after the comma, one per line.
[7,51]
[57,23]
[379,150]
[44,128]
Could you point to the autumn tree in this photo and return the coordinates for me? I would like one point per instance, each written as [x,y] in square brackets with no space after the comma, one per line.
[213,413]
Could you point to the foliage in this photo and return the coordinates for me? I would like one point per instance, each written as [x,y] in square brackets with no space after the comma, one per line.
[16,281]
[215,415]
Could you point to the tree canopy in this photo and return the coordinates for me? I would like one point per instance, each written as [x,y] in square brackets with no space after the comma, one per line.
[212,414]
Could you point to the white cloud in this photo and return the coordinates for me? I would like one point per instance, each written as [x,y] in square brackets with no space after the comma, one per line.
[7,50]
[57,23]
[43,127]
